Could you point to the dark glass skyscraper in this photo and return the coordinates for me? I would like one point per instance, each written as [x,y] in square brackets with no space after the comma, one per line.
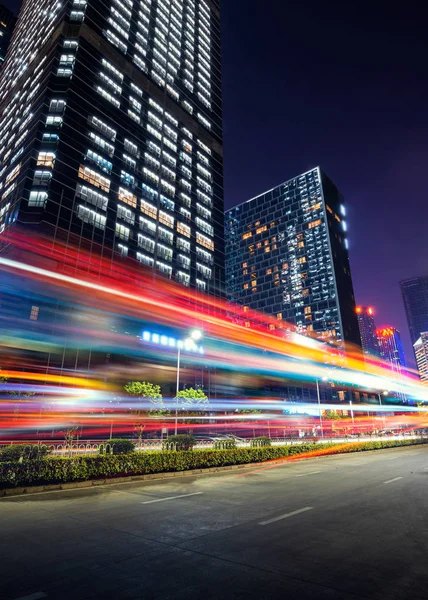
[111,131]
[7,23]
[367,327]
[287,255]
[391,347]
[415,298]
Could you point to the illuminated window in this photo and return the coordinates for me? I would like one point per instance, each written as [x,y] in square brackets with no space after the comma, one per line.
[46,159]
[254,283]
[183,229]
[267,249]
[314,224]
[301,245]
[279,316]
[258,245]
[269,271]
[94,178]
[128,197]
[261,229]
[34,313]
[245,308]
[244,271]
[246,286]
[247,235]
[271,326]
[244,264]
[302,260]
[247,324]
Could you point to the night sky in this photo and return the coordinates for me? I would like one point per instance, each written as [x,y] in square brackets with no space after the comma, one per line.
[343,86]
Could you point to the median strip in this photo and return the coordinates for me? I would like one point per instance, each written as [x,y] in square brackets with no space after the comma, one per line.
[172,498]
[291,514]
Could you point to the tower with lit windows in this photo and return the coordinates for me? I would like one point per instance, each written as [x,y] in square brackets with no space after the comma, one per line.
[391,348]
[366,324]
[421,353]
[111,131]
[287,255]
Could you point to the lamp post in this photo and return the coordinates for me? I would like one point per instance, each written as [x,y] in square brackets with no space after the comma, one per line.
[319,405]
[384,393]
[194,336]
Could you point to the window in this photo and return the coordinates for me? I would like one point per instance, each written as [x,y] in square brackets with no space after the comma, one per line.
[261,229]
[183,229]
[42,177]
[104,164]
[37,199]
[146,243]
[103,128]
[127,179]
[146,260]
[94,178]
[128,197]
[148,209]
[61,72]
[166,219]
[13,173]
[90,195]
[204,241]
[122,232]
[125,214]
[314,224]
[91,217]
[52,120]
[183,244]
[131,148]
[57,106]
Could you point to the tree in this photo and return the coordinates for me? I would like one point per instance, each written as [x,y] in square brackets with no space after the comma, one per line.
[151,391]
[192,400]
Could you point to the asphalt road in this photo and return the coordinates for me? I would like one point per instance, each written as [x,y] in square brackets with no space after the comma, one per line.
[339,528]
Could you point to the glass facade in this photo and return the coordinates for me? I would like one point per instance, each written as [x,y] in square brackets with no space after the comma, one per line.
[286,255]
[367,326]
[421,353]
[415,297]
[111,131]
[391,348]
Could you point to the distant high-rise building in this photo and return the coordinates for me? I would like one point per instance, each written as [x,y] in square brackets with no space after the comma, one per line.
[287,255]
[111,131]
[421,352]
[415,297]
[391,348]
[367,327]
[7,23]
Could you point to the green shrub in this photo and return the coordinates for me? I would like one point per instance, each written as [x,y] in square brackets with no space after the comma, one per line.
[56,469]
[225,444]
[179,442]
[261,442]
[117,446]
[24,451]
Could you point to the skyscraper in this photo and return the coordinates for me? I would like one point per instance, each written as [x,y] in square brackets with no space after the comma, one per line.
[421,352]
[415,297]
[391,348]
[287,255]
[367,328]
[111,131]
[7,23]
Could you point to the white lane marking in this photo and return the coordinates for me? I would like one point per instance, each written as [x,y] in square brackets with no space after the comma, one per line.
[34,596]
[291,514]
[391,480]
[172,498]
[311,473]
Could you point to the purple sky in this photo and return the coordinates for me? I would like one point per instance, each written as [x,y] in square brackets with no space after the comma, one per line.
[343,86]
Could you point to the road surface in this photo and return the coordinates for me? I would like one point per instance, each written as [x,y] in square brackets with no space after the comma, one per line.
[342,527]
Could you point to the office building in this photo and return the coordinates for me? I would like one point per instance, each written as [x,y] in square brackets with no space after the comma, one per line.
[287,255]
[7,23]
[366,324]
[415,298]
[111,131]
[421,352]
[391,348]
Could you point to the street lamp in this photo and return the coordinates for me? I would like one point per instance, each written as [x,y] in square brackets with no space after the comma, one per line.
[384,393]
[189,344]
[319,404]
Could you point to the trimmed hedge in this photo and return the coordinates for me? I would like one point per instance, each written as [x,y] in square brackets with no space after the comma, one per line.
[117,446]
[24,451]
[81,468]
